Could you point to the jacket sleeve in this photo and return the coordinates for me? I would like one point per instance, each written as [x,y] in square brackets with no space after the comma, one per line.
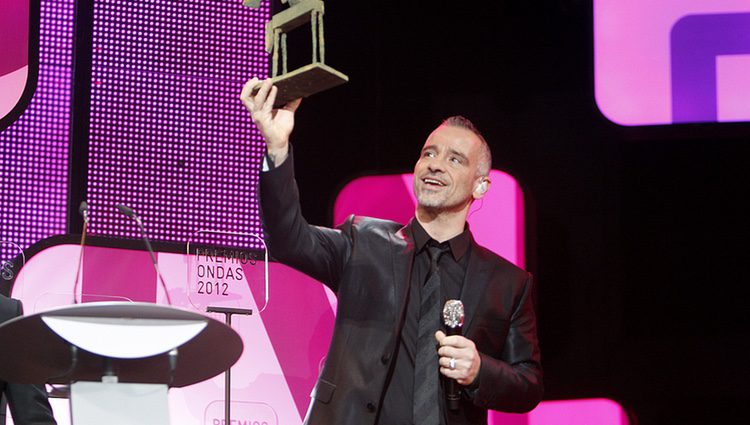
[513,383]
[28,403]
[319,252]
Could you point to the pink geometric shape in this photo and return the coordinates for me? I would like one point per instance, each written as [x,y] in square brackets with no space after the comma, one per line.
[12,86]
[496,221]
[598,411]
[300,344]
[109,273]
[14,36]
[500,418]
[733,87]
[632,55]
[14,53]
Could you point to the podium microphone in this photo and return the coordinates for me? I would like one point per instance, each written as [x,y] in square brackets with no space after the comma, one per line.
[83,209]
[453,318]
[128,212]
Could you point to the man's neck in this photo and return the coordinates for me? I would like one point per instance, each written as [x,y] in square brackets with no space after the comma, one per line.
[442,225]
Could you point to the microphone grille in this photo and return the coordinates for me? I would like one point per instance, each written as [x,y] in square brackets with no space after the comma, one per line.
[453,313]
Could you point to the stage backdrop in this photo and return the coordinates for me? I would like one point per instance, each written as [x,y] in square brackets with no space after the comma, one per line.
[164,133]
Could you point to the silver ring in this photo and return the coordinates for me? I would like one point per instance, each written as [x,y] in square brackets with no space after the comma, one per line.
[452,364]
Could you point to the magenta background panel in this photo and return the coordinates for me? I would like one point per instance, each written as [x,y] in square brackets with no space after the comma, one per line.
[634,70]
[14,52]
[34,149]
[306,314]
[497,220]
[599,411]
[14,33]
[122,276]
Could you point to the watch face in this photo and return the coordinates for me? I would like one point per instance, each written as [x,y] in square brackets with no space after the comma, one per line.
[14,52]
[672,61]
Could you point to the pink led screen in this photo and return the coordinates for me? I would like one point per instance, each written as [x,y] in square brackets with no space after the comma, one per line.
[34,148]
[497,220]
[14,52]
[169,137]
[167,134]
[672,61]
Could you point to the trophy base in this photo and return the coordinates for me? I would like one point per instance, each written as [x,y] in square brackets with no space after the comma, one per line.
[306,81]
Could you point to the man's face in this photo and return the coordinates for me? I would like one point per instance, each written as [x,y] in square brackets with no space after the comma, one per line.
[447,171]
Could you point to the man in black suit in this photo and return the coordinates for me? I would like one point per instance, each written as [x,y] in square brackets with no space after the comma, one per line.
[387,354]
[28,403]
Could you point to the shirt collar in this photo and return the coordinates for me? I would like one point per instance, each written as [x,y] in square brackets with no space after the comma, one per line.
[459,244]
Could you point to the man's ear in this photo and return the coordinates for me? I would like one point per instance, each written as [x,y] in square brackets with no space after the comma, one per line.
[481,188]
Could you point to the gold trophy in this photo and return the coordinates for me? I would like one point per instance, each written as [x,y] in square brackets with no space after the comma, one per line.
[309,79]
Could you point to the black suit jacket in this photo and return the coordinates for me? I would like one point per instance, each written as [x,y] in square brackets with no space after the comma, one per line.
[367,263]
[28,403]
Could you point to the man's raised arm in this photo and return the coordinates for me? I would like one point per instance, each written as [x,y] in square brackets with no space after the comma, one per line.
[316,251]
[274,124]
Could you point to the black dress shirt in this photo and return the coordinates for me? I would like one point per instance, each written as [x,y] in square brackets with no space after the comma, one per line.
[399,395]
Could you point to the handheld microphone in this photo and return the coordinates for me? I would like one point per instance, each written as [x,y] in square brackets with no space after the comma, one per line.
[128,212]
[83,209]
[453,318]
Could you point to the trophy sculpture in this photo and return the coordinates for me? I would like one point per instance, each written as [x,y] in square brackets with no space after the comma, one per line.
[309,79]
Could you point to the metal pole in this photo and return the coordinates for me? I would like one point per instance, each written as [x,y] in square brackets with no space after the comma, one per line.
[228,312]
[228,383]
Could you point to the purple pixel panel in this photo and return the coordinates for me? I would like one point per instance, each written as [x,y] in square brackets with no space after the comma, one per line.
[169,136]
[34,148]
[672,61]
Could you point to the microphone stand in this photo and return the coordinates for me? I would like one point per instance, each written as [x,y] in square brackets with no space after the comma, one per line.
[83,209]
[128,212]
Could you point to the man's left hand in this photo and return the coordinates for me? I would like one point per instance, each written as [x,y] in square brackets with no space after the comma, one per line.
[466,360]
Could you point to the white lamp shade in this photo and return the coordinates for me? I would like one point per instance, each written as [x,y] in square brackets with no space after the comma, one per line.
[124,338]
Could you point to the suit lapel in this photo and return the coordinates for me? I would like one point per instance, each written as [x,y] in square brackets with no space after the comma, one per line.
[475,283]
[402,253]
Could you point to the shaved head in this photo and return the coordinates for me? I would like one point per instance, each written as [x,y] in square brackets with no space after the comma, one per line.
[485,156]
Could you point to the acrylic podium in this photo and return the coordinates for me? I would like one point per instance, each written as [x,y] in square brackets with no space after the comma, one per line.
[118,357]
